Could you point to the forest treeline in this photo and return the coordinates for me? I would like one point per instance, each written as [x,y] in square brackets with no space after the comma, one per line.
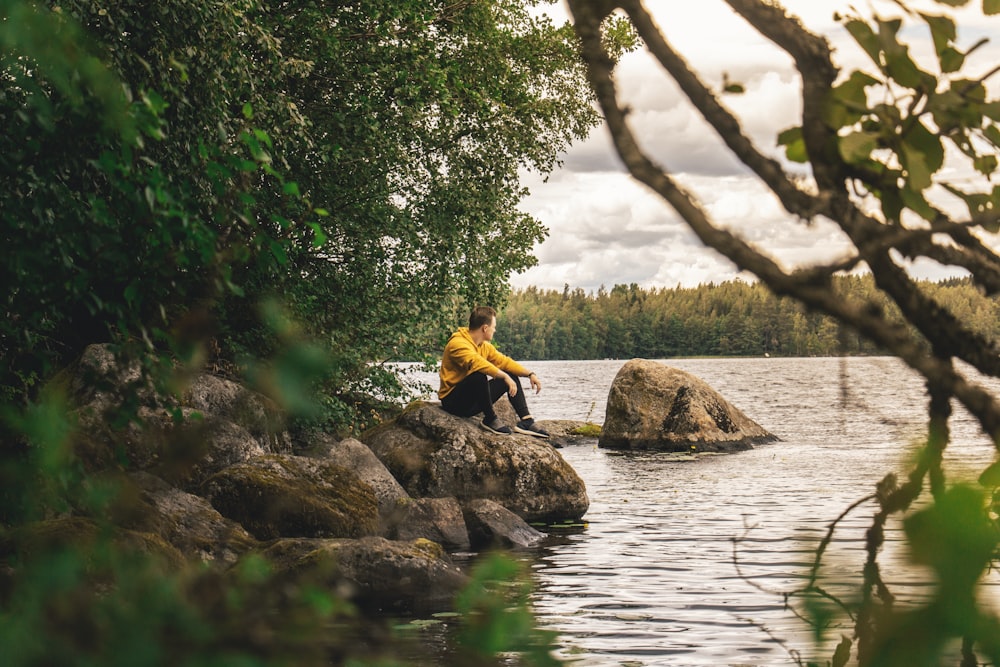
[733,318]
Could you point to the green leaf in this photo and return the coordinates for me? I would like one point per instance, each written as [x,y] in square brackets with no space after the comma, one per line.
[915,201]
[992,133]
[866,38]
[795,146]
[851,100]
[248,111]
[319,238]
[951,60]
[954,537]
[985,164]
[991,476]
[942,31]
[278,250]
[857,147]
[922,155]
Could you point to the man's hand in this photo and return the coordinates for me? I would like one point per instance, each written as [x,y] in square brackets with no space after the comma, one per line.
[536,384]
[511,385]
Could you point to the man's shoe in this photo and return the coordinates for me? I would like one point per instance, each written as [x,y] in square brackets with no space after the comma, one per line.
[496,426]
[529,427]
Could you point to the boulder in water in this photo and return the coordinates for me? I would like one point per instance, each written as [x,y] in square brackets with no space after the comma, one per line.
[652,406]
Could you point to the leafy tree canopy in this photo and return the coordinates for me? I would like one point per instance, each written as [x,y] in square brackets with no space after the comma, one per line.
[168,168]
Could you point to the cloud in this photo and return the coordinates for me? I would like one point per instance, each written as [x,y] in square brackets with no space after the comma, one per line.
[607,229]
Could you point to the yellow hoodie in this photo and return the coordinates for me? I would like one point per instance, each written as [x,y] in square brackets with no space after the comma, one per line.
[462,357]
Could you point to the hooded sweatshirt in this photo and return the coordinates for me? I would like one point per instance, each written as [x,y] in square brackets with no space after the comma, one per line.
[462,357]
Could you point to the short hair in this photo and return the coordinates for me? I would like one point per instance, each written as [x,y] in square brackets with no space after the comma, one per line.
[481,315]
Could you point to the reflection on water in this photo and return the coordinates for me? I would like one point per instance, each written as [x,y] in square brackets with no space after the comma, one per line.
[653,579]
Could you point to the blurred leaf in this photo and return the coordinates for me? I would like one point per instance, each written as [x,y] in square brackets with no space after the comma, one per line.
[954,537]
[857,147]
[795,145]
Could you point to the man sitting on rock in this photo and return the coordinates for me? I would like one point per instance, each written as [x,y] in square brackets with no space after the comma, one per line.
[474,375]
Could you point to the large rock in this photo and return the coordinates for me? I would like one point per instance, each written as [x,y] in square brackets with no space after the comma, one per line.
[184,452]
[375,573]
[491,525]
[215,422]
[653,406]
[435,454]
[294,496]
[437,519]
[230,401]
[356,456]
[187,522]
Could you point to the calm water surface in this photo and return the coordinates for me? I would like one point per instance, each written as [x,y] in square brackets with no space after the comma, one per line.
[653,578]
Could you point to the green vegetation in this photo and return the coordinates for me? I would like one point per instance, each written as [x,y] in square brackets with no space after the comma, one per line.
[729,319]
[288,193]
[177,179]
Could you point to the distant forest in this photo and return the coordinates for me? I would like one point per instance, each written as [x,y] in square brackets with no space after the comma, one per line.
[733,318]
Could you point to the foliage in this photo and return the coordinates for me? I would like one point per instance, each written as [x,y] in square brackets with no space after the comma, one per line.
[189,180]
[497,619]
[730,318]
[339,157]
[884,146]
[130,228]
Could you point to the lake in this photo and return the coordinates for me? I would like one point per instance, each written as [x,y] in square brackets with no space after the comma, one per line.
[652,578]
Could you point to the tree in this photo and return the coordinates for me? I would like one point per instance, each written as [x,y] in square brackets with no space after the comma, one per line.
[881,134]
[355,162]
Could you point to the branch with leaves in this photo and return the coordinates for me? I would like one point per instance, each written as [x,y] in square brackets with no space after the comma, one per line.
[876,143]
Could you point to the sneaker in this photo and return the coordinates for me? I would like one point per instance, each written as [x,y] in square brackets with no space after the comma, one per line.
[529,427]
[496,426]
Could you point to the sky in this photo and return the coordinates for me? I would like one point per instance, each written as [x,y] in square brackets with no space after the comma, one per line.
[606,229]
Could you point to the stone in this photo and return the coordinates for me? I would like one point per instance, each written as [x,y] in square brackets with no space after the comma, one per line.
[437,519]
[262,418]
[189,522]
[82,534]
[376,574]
[491,525]
[294,496]
[652,406]
[435,454]
[184,453]
[356,456]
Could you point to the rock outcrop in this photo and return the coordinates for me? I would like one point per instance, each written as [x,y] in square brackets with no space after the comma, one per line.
[208,474]
[435,454]
[655,407]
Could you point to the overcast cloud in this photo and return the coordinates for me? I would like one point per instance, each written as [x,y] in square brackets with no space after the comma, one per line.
[606,229]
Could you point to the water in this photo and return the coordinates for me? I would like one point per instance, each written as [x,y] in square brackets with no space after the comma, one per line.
[654,580]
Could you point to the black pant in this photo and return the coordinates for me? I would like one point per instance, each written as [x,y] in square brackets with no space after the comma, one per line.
[478,392]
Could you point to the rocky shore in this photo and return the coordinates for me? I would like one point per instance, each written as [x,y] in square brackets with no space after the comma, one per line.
[214,477]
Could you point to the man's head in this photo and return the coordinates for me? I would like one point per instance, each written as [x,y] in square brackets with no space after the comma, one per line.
[483,321]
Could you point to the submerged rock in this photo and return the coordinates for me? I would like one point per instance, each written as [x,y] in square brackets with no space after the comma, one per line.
[653,406]
[435,454]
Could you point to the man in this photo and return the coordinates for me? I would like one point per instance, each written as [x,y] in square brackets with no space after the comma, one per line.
[474,375]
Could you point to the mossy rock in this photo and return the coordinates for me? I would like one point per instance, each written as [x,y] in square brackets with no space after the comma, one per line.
[434,454]
[293,496]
